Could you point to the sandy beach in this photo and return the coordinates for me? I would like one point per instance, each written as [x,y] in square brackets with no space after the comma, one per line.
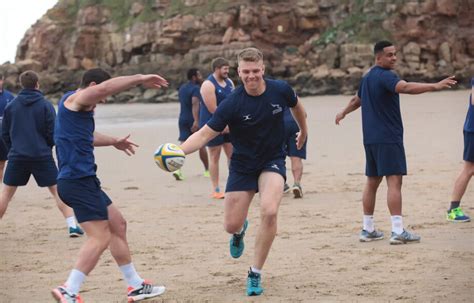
[176,234]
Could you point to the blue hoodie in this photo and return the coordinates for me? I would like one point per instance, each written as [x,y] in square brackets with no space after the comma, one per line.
[28,126]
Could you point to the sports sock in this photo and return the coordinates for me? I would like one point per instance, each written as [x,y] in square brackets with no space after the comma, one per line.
[369,223]
[131,276]
[455,204]
[74,281]
[217,190]
[71,222]
[397,224]
[255,270]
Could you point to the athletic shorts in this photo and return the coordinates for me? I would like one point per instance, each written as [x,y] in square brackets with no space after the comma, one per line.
[219,140]
[468,146]
[246,182]
[385,159]
[291,128]
[85,197]
[184,130]
[3,150]
[18,172]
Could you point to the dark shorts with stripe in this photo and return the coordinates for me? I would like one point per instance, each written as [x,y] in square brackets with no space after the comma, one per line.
[238,181]
[385,159]
[468,154]
[291,128]
[18,172]
[85,197]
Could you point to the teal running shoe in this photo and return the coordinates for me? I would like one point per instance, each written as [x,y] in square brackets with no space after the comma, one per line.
[254,287]
[75,232]
[237,242]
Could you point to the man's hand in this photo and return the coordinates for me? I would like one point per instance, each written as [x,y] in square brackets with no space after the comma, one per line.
[154,81]
[339,117]
[194,127]
[300,139]
[446,83]
[125,145]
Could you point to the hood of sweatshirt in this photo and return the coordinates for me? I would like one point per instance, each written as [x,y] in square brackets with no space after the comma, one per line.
[28,97]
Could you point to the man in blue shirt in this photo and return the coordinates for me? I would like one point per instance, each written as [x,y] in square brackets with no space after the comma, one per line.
[296,155]
[254,115]
[213,91]
[27,130]
[79,187]
[189,98]
[455,214]
[382,127]
[5,98]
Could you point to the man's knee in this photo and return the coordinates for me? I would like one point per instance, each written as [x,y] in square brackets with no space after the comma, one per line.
[120,227]
[269,214]
[233,227]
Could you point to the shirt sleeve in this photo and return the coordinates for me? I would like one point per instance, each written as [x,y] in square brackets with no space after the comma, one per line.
[389,80]
[289,94]
[196,92]
[221,116]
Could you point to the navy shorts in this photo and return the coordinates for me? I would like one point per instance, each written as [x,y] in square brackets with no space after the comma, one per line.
[246,182]
[468,147]
[184,130]
[219,140]
[85,197]
[385,159]
[291,128]
[18,172]
[3,150]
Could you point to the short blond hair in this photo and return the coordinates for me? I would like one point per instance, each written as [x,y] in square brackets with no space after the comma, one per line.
[250,54]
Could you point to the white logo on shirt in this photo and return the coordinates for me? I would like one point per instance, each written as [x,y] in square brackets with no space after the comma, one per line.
[274,166]
[246,118]
[277,108]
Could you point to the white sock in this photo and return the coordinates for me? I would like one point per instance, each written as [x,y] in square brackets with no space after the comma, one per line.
[255,270]
[397,224]
[369,223]
[131,276]
[74,282]
[71,222]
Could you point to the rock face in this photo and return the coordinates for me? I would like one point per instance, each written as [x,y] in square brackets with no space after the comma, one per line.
[320,47]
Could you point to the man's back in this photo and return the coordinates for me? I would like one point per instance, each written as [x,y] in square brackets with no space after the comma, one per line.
[28,126]
[186,92]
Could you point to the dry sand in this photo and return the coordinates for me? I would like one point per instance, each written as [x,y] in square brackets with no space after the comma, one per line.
[176,235]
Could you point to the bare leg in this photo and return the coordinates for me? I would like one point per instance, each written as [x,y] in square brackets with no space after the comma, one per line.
[98,239]
[369,195]
[204,157]
[118,242]
[462,181]
[271,191]
[228,149]
[5,198]
[236,207]
[214,156]
[394,194]
[297,169]
[63,208]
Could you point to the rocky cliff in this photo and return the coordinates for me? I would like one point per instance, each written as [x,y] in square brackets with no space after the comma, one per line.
[319,46]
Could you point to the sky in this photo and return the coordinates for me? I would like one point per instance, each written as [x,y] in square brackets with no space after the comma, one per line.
[16,18]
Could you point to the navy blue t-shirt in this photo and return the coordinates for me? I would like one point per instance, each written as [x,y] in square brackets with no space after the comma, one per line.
[74,138]
[256,124]
[469,124]
[5,98]
[221,94]
[381,116]
[186,93]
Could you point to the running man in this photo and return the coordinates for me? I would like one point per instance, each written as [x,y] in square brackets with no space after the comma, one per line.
[27,130]
[79,187]
[5,98]
[382,127]
[254,115]
[455,213]
[189,98]
[213,91]
[296,155]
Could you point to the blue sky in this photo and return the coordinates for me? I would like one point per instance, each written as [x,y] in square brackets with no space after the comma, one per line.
[15,20]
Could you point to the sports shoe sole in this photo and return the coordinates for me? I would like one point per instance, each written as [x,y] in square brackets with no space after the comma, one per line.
[147,296]
[297,193]
[370,239]
[458,221]
[399,242]
[74,235]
